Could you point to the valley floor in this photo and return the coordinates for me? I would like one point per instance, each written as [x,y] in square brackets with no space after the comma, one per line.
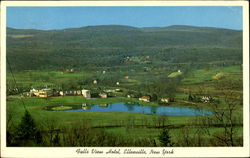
[135,129]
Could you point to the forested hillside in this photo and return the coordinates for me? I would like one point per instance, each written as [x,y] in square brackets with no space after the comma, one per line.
[95,47]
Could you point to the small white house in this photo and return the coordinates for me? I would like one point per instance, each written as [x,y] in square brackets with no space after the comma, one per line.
[34,92]
[145,98]
[205,99]
[61,93]
[165,100]
[86,93]
[103,95]
[44,93]
[95,81]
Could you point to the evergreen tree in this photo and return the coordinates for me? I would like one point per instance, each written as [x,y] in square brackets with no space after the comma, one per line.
[165,138]
[27,131]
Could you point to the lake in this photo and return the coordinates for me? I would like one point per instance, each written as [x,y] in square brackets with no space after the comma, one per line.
[133,108]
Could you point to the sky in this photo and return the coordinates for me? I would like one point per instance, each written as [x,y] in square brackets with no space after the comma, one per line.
[51,18]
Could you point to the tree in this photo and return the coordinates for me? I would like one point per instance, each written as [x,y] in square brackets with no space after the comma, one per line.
[165,138]
[56,139]
[225,115]
[27,133]
[52,135]
[154,97]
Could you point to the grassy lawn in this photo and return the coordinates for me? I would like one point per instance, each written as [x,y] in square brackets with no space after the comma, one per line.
[61,108]
[175,134]
[174,74]
[20,36]
[204,75]
[42,78]
[213,82]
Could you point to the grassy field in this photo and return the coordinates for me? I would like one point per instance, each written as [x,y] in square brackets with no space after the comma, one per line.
[20,36]
[211,82]
[42,78]
[131,125]
[205,75]
[174,74]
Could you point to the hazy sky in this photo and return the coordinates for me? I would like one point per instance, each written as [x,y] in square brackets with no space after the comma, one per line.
[47,18]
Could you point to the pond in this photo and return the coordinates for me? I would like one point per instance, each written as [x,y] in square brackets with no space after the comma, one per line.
[134,108]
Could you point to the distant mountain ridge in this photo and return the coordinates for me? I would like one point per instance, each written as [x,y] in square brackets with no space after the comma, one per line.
[186,28]
[172,35]
[113,27]
[116,41]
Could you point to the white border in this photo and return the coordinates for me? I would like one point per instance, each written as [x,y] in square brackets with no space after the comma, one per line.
[178,151]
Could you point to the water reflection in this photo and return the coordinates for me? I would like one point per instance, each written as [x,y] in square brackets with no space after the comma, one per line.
[129,106]
[86,107]
[103,105]
[133,108]
[153,109]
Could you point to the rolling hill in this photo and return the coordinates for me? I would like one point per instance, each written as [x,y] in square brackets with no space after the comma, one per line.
[108,45]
